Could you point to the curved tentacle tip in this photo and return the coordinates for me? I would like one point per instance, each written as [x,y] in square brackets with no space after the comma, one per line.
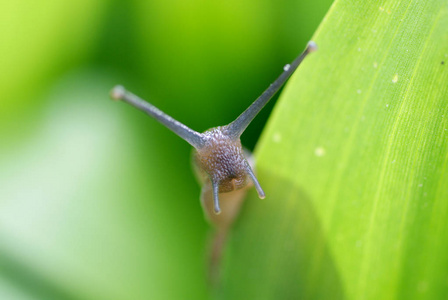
[118,92]
[217,211]
[312,46]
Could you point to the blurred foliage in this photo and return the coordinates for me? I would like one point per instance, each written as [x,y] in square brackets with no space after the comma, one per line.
[354,162]
[98,200]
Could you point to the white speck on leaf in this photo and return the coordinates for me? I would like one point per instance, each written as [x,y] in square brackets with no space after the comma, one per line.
[286,67]
[395,79]
[277,138]
[359,91]
[320,151]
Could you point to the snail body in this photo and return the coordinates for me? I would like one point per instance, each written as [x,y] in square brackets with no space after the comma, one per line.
[219,160]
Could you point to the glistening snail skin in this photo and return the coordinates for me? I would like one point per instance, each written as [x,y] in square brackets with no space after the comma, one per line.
[218,157]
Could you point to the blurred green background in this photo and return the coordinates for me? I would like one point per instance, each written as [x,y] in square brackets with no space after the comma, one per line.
[97,200]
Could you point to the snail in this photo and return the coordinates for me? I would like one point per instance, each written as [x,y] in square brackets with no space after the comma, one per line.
[220,162]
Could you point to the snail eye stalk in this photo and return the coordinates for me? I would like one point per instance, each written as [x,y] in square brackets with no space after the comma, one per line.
[194,138]
[237,127]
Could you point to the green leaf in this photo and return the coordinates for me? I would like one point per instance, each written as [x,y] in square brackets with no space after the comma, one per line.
[354,162]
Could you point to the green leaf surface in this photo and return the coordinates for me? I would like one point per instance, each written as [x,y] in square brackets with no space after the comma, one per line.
[354,162]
